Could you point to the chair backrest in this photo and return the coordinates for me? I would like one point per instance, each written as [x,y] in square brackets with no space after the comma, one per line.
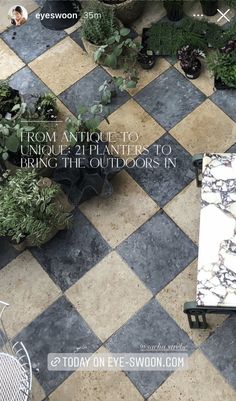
[23,369]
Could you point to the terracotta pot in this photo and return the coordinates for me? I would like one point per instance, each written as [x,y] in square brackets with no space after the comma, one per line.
[127,11]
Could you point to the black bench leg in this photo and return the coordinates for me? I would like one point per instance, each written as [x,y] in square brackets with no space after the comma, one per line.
[197,163]
[196,316]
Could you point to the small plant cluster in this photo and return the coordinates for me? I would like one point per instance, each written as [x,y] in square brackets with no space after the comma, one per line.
[116,49]
[189,58]
[222,64]
[166,38]
[8,98]
[28,208]
[98,30]
[16,119]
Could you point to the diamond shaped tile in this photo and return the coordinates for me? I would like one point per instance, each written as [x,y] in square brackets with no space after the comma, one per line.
[28,84]
[108,295]
[158,251]
[72,253]
[9,62]
[22,281]
[85,92]
[232,149]
[32,39]
[206,129]
[220,349]
[144,76]
[183,289]
[149,327]
[30,6]
[131,119]
[120,215]
[200,381]
[188,200]
[226,100]
[169,98]
[76,36]
[7,252]
[53,67]
[171,171]
[58,329]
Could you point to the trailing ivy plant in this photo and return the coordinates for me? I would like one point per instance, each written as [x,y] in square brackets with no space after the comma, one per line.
[120,51]
[14,132]
[28,209]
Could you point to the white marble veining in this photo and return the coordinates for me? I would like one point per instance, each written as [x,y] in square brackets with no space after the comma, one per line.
[216,284]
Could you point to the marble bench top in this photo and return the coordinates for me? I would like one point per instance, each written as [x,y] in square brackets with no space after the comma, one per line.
[216,281]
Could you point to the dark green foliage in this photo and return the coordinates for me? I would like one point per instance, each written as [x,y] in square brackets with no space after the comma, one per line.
[8,98]
[28,208]
[223,66]
[166,38]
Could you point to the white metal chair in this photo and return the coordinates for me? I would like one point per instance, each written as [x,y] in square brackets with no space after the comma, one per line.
[15,367]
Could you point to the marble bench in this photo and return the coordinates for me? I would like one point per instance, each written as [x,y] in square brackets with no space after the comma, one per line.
[216,278]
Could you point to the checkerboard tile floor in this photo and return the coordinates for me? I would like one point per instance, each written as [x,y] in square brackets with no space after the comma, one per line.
[119,278]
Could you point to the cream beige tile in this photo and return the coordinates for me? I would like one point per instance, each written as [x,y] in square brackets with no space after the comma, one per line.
[121,214]
[96,386]
[28,289]
[205,82]
[62,65]
[193,8]
[108,295]
[144,76]
[9,62]
[132,120]
[183,289]
[206,129]
[6,6]
[153,12]
[200,382]
[184,209]
[38,393]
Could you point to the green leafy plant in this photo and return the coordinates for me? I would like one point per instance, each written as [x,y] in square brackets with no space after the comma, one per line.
[29,208]
[120,51]
[100,26]
[46,107]
[222,65]
[9,97]
[166,38]
[14,132]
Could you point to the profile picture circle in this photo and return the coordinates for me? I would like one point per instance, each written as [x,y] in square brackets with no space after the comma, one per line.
[18,15]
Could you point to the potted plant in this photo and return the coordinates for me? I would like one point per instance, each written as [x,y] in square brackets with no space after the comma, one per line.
[9,97]
[174,9]
[126,10]
[32,209]
[120,52]
[209,7]
[222,64]
[96,31]
[146,58]
[46,107]
[189,61]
